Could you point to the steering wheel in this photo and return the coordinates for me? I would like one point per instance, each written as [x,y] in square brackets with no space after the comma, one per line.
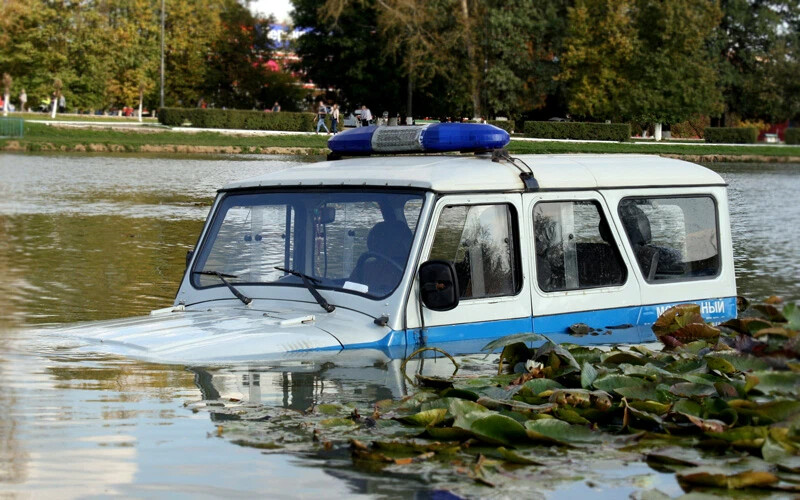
[366,255]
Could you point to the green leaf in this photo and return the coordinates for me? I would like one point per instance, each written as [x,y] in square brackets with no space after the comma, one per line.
[610,382]
[650,406]
[692,390]
[427,418]
[741,362]
[498,429]
[619,357]
[515,458]
[778,382]
[560,432]
[792,313]
[642,392]
[687,406]
[722,365]
[539,385]
[513,339]
[721,478]
[588,375]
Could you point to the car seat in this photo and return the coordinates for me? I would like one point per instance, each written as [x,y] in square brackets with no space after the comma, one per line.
[382,265]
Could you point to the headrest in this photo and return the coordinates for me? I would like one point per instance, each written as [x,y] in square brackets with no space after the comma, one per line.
[390,238]
[636,223]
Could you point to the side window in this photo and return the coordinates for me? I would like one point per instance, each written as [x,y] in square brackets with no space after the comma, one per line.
[673,238]
[479,241]
[574,247]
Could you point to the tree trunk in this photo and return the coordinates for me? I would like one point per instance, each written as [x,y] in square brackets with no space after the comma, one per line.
[473,72]
[5,104]
[657,131]
[141,98]
[409,111]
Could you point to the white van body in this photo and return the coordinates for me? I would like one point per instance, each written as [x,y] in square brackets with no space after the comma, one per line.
[535,260]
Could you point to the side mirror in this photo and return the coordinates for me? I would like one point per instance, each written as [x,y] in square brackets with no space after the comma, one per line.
[438,285]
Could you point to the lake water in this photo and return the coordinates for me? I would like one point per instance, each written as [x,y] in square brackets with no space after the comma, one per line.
[97,237]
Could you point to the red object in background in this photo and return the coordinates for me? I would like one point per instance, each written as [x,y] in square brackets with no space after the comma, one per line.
[779,128]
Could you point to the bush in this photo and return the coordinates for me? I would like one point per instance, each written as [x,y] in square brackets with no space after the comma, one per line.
[690,129]
[731,135]
[579,130]
[236,119]
[792,136]
[507,125]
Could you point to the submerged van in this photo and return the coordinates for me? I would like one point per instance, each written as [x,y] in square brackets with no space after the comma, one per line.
[395,251]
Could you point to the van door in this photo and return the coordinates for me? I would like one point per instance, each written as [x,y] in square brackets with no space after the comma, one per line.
[580,272]
[481,236]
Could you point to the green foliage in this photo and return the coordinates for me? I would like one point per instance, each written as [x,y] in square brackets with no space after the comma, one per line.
[792,136]
[507,125]
[578,130]
[236,119]
[731,135]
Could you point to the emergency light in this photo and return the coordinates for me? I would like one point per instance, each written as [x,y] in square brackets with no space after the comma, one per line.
[439,137]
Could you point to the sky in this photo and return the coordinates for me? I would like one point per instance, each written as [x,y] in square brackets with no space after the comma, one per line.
[279,8]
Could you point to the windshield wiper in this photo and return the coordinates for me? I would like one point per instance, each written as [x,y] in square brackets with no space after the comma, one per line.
[308,281]
[239,295]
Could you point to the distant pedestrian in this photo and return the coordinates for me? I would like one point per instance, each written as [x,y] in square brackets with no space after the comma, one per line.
[44,107]
[321,112]
[276,107]
[366,116]
[335,119]
[62,104]
[23,100]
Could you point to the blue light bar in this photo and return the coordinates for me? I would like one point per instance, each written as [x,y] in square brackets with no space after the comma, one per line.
[439,137]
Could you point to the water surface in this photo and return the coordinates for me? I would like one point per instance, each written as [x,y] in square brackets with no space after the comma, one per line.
[87,237]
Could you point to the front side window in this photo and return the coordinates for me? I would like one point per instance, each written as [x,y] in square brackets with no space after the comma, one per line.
[574,247]
[672,238]
[480,241]
[355,241]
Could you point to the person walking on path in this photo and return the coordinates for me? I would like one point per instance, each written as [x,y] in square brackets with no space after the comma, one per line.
[62,104]
[366,116]
[335,119]
[321,112]
[276,107]
[23,100]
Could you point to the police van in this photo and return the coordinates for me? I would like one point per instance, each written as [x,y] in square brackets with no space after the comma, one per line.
[398,242]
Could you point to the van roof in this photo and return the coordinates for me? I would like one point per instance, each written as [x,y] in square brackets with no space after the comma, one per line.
[471,173]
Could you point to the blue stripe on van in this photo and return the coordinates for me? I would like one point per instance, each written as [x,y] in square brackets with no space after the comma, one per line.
[619,325]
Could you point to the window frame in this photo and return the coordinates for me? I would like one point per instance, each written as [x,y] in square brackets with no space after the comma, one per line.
[684,279]
[620,252]
[518,274]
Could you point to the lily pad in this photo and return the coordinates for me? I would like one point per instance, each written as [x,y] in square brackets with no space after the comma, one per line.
[692,390]
[498,429]
[427,418]
[610,382]
[778,382]
[513,339]
[716,477]
[560,432]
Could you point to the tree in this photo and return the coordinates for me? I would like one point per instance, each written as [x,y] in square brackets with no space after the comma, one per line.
[671,74]
[598,50]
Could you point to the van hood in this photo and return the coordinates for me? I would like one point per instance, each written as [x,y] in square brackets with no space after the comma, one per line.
[186,336]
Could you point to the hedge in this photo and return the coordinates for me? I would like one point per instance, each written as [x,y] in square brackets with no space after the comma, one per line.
[792,136]
[731,135]
[236,119]
[507,125]
[578,130]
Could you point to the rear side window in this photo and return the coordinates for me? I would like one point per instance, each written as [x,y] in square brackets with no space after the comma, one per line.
[480,241]
[574,247]
[673,238]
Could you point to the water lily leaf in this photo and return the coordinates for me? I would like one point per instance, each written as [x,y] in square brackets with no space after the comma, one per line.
[721,478]
[741,362]
[610,382]
[588,375]
[706,424]
[513,339]
[650,406]
[676,317]
[459,393]
[517,406]
[619,357]
[427,418]
[447,433]
[569,415]
[642,392]
[692,390]
[687,406]
[515,458]
[433,382]
[792,314]
[776,331]
[747,326]
[643,416]
[770,312]
[415,447]
[552,348]
[329,409]
[696,331]
[720,364]
[560,432]
[539,385]
[649,370]
[337,422]
[465,412]
[778,382]
[676,455]
[690,365]
[776,452]
[743,437]
[498,429]
[513,354]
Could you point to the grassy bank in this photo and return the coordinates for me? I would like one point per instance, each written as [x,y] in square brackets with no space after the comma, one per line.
[41,137]
[80,118]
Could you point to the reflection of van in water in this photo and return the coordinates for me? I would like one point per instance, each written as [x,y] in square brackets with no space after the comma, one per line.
[390,252]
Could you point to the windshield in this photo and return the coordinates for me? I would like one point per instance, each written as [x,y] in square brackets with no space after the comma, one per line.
[354,241]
